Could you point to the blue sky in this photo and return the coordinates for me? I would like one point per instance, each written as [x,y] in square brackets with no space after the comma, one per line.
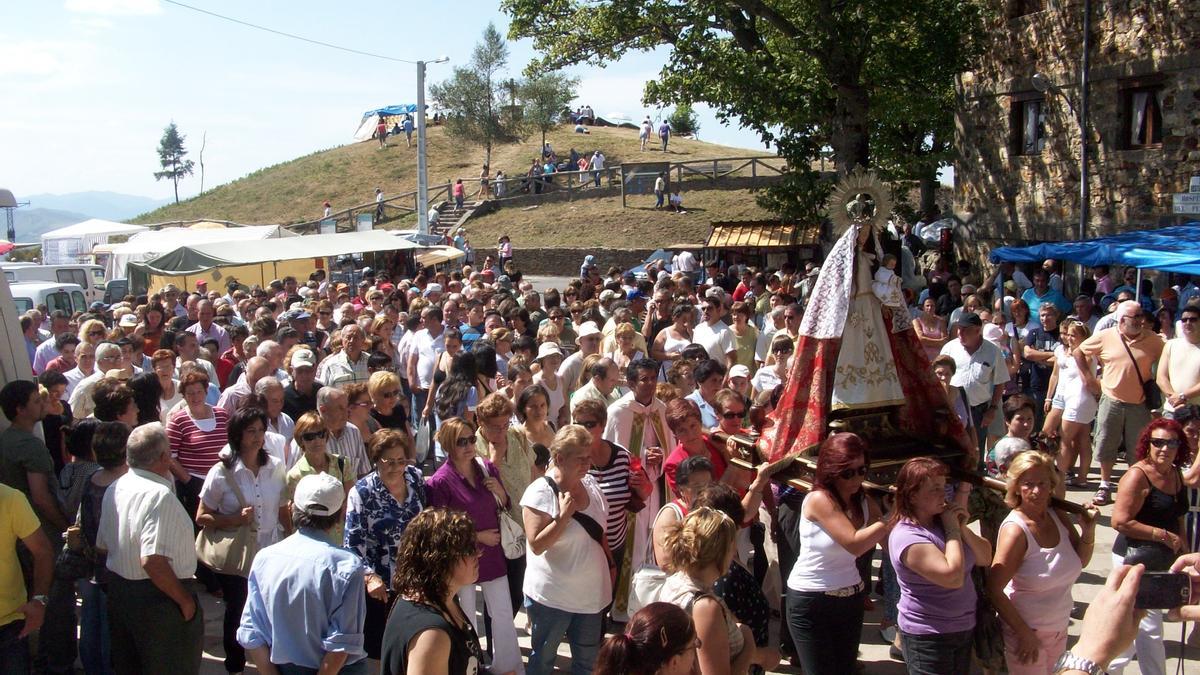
[88,85]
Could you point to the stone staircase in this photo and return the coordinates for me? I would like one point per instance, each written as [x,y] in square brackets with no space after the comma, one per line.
[451,218]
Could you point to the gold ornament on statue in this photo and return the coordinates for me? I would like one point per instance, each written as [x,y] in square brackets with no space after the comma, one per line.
[860,198]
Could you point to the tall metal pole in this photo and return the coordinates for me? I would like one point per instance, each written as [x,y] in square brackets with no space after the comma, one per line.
[422,177]
[1084,65]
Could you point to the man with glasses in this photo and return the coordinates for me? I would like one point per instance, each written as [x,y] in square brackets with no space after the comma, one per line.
[170,298]
[1179,366]
[1126,356]
[333,405]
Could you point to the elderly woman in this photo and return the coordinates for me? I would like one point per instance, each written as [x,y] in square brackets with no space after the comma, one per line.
[838,524]
[197,432]
[532,407]
[428,631]
[386,392]
[701,548]
[163,363]
[933,552]
[1148,517]
[568,582]
[246,487]
[1038,558]
[503,444]
[467,482]
[379,508]
[312,438]
[359,399]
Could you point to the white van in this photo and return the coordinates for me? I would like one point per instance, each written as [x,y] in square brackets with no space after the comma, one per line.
[28,295]
[88,277]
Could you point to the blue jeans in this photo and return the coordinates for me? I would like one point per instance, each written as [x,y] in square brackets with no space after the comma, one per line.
[94,650]
[549,626]
[14,651]
[938,654]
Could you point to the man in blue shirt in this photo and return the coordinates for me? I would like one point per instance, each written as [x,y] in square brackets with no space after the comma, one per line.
[306,603]
[472,328]
[1042,292]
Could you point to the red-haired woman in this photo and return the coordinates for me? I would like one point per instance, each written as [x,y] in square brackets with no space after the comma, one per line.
[1148,517]
[838,523]
[659,640]
[933,552]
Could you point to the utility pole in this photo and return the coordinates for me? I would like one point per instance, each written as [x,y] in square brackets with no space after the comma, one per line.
[422,173]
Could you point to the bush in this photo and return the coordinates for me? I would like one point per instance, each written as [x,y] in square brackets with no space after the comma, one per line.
[684,120]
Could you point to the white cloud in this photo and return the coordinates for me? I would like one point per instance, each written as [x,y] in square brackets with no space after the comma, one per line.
[114,7]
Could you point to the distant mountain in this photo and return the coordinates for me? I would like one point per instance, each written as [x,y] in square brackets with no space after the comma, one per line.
[32,223]
[104,205]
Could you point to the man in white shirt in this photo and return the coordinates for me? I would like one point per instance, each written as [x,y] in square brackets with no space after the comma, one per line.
[333,405]
[187,348]
[256,369]
[980,371]
[1179,365]
[427,346]
[155,623]
[715,335]
[204,328]
[588,338]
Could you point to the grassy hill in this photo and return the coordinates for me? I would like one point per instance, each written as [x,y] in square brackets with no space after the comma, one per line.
[348,175]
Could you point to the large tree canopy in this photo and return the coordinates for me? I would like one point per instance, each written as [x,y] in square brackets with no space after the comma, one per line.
[872,80]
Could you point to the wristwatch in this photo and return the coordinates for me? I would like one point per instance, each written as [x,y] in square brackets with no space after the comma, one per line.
[40,599]
[1069,661]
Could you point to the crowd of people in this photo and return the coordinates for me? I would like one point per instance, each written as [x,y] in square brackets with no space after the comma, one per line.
[374,477]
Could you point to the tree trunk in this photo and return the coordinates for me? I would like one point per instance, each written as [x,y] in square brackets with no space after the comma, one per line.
[929,187]
[175,180]
[851,140]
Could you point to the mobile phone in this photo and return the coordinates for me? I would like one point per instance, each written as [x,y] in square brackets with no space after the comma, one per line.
[1163,590]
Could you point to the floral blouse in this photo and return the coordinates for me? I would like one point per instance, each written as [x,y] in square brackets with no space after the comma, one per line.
[375,520]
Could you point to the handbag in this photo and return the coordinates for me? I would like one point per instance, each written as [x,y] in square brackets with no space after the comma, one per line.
[646,585]
[512,535]
[423,439]
[229,551]
[1150,390]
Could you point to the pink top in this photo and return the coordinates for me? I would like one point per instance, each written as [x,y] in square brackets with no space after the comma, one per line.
[196,449]
[938,334]
[1041,588]
[458,189]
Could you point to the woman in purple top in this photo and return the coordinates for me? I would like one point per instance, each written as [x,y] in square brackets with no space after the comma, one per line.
[472,484]
[933,552]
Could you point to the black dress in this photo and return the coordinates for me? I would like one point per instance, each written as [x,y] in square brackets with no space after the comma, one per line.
[410,619]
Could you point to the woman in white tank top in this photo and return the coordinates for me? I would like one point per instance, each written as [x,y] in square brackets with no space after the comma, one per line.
[1038,558]
[838,523]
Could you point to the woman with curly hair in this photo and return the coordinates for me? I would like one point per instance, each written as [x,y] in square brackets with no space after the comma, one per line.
[428,632]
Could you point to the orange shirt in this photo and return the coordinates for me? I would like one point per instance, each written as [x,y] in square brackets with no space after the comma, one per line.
[1118,377]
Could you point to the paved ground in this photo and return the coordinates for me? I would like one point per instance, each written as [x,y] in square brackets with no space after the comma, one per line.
[874,649]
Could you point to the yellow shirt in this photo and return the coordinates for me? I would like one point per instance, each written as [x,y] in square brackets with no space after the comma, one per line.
[1118,377]
[516,470]
[17,521]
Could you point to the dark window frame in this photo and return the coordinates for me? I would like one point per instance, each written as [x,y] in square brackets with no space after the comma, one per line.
[1017,123]
[1128,90]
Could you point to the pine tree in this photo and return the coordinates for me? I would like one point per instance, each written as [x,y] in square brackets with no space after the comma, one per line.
[172,157]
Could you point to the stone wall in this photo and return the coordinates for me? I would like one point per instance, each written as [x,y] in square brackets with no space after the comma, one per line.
[566,261]
[1005,197]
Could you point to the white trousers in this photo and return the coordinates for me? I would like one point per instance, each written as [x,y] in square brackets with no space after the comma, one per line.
[1147,646]
[506,653]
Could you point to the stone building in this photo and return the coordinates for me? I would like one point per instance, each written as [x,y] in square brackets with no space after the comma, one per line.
[1017,178]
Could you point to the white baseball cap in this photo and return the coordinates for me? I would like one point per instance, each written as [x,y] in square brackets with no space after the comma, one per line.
[548,349]
[586,329]
[319,494]
[304,357]
[739,371]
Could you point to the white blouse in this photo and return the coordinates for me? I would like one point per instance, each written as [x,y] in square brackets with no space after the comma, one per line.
[264,492]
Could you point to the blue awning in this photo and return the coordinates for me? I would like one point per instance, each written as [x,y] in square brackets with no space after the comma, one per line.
[1171,249]
[406,109]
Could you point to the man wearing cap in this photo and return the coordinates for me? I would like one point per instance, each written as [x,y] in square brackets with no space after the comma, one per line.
[980,371]
[588,340]
[300,395]
[350,364]
[170,298]
[1123,413]
[305,606]
[714,334]
[155,621]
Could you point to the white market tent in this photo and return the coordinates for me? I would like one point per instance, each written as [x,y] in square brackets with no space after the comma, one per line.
[153,243]
[68,244]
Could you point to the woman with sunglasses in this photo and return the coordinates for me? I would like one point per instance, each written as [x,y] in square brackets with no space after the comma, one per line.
[92,332]
[385,390]
[467,482]
[312,438]
[379,507]
[825,591]
[770,376]
[358,397]
[1148,516]
[428,631]
[659,640]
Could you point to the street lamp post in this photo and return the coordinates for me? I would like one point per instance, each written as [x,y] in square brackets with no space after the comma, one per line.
[422,174]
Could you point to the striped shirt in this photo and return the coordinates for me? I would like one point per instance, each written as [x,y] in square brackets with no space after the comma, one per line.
[614,483]
[195,449]
[349,444]
[142,517]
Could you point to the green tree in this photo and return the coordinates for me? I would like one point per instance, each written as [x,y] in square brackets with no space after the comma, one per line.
[474,97]
[172,157]
[543,99]
[868,80]
[683,120]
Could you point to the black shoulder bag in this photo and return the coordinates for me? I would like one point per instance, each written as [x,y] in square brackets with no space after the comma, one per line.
[1150,391]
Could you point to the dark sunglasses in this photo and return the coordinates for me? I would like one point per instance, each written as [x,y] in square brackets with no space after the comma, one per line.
[314,435]
[589,424]
[781,350]
[464,441]
[1172,443]
[391,394]
[847,474]
[1189,319]
[733,414]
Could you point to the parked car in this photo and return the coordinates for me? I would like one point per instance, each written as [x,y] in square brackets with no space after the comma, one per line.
[115,290]
[28,295]
[88,277]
